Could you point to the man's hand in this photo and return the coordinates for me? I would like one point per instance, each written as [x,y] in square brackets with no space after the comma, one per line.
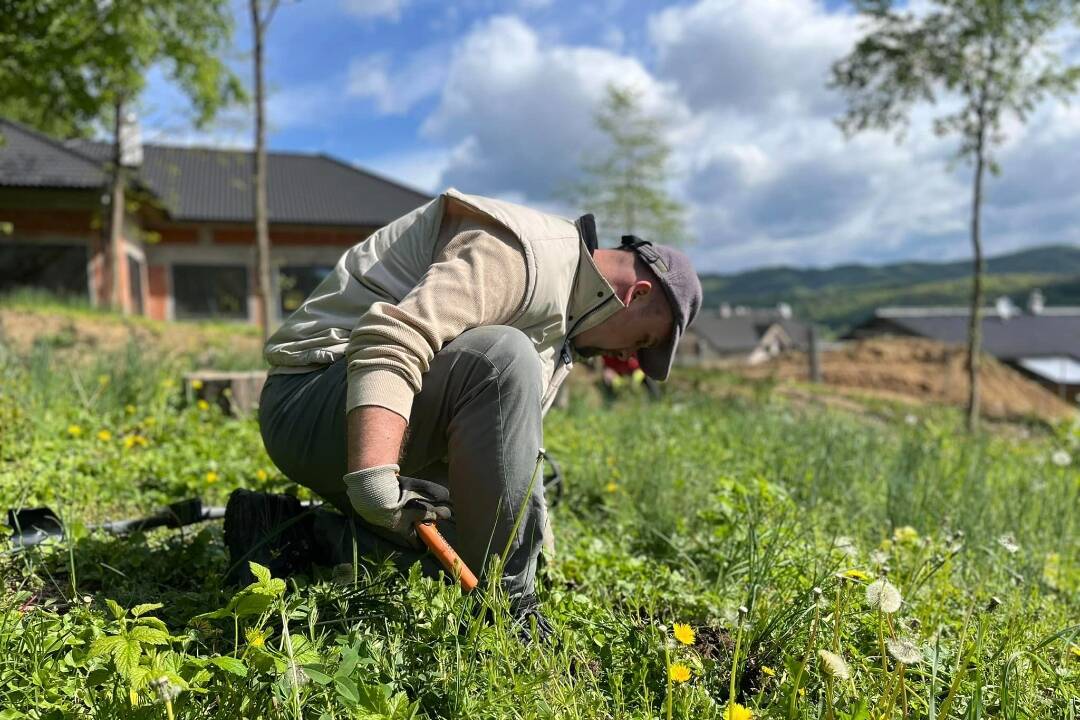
[394,502]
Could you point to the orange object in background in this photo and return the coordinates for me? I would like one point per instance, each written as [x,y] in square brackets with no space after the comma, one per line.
[447,556]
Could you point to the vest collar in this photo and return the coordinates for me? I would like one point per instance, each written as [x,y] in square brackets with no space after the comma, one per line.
[592,299]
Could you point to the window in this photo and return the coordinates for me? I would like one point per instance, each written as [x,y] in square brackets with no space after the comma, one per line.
[60,269]
[135,283]
[296,282]
[210,291]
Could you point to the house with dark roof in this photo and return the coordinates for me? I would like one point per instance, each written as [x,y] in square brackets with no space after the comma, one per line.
[1041,342]
[743,335]
[188,237]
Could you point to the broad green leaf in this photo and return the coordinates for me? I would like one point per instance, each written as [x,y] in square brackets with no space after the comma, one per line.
[251,604]
[149,635]
[262,574]
[145,608]
[105,645]
[347,691]
[317,674]
[126,657]
[231,665]
[117,611]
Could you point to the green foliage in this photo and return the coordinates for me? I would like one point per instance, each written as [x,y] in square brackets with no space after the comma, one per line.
[997,56]
[679,511]
[845,295]
[66,64]
[627,187]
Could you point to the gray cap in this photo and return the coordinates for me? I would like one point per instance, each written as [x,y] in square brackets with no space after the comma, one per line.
[683,290]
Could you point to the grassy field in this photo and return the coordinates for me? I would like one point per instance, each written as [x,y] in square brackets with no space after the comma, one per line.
[815,564]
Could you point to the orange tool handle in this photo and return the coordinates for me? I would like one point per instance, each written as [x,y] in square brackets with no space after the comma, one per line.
[449,559]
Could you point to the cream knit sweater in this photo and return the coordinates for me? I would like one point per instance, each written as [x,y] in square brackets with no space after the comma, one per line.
[477,278]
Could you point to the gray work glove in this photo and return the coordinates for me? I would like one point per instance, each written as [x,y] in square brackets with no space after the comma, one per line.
[394,502]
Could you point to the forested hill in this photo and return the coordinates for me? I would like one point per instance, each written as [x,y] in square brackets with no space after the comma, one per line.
[846,294]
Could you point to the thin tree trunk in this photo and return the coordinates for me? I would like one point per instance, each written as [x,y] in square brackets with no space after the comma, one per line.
[262,230]
[114,253]
[975,319]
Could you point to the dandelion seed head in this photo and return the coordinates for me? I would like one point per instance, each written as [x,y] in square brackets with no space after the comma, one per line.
[834,665]
[846,546]
[904,650]
[1061,458]
[165,689]
[295,676]
[1008,542]
[884,596]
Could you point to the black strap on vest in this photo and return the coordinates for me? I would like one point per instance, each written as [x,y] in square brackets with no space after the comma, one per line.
[586,226]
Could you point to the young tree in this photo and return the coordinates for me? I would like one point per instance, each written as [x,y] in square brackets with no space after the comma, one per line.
[76,63]
[261,14]
[627,187]
[986,60]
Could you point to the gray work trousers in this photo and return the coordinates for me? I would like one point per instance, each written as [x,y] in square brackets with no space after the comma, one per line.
[476,427]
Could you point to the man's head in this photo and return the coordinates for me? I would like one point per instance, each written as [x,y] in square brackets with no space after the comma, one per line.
[662,295]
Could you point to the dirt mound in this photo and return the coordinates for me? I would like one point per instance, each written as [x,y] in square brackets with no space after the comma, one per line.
[80,334]
[922,371]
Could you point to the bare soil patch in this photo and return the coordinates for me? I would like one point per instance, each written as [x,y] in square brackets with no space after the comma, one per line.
[919,371]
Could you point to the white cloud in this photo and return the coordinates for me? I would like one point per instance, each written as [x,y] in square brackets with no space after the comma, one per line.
[375,9]
[519,112]
[421,169]
[395,90]
[766,175]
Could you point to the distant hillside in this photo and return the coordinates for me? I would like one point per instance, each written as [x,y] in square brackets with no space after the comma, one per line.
[846,294]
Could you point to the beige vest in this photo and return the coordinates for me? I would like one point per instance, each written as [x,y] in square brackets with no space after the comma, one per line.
[564,289]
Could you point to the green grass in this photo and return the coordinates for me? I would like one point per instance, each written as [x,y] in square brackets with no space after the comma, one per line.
[681,511]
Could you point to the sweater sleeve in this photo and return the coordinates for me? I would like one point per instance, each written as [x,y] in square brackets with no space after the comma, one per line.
[477,279]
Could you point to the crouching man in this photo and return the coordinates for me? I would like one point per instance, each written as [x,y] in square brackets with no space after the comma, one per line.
[413,382]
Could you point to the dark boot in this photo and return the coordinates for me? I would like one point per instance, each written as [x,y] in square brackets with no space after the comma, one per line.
[272,530]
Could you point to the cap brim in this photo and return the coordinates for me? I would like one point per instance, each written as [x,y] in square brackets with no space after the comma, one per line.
[656,362]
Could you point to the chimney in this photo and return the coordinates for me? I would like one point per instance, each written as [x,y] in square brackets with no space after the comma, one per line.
[1036,302]
[131,150]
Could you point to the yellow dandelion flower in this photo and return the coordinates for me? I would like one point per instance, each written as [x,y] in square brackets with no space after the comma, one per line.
[203,405]
[905,534]
[261,475]
[196,384]
[211,477]
[129,409]
[684,633]
[1075,650]
[255,637]
[611,486]
[103,380]
[678,673]
[74,431]
[766,670]
[104,435]
[735,711]
[855,574]
[131,441]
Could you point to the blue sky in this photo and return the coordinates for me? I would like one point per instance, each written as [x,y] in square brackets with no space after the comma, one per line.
[497,97]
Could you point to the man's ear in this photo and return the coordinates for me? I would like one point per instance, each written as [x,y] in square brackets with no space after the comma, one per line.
[638,290]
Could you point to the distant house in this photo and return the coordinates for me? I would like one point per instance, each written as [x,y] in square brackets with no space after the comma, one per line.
[743,335]
[189,230]
[1041,342]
